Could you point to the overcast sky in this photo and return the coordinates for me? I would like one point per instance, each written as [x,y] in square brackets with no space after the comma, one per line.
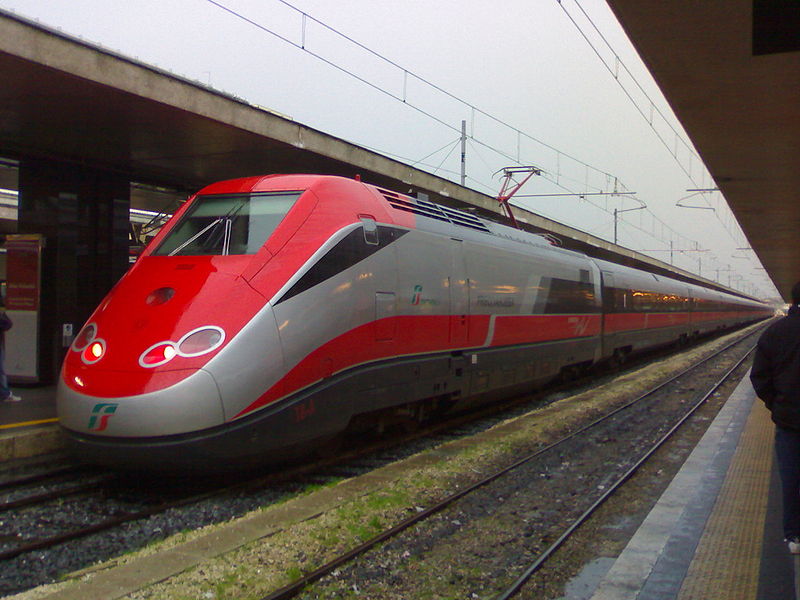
[523,63]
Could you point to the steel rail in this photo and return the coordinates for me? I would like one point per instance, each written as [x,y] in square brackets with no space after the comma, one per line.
[52,495]
[613,488]
[292,589]
[256,483]
[32,479]
[98,527]
[110,523]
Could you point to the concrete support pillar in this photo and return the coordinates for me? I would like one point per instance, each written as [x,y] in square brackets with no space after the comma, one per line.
[84,215]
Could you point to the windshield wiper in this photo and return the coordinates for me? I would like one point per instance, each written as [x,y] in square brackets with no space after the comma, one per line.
[195,236]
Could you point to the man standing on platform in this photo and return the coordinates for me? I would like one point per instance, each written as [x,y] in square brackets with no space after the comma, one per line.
[5,391]
[776,379]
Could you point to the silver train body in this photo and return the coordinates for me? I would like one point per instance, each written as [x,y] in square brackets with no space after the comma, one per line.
[358,320]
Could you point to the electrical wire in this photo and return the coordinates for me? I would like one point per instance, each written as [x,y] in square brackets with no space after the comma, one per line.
[733,229]
[406,73]
[474,109]
[452,148]
[619,61]
[447,145]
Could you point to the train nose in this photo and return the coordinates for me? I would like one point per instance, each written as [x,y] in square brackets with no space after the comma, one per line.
[191,404]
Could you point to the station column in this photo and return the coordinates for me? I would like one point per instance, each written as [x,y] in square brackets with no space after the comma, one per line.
[83,213]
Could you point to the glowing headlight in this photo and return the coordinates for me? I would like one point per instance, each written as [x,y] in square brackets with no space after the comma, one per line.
[94,351]
[158,354]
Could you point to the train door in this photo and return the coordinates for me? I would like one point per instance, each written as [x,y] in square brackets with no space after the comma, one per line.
[459,296]
[606,326]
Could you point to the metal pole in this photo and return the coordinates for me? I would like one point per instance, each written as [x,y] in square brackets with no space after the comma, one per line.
[615,226]
[463,152]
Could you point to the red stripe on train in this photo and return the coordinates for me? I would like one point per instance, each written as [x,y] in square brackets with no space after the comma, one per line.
[420,335]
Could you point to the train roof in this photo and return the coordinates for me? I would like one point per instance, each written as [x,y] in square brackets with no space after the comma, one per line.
[445,219]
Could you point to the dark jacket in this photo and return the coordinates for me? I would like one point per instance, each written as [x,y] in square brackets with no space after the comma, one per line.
[5,325]
[776,370]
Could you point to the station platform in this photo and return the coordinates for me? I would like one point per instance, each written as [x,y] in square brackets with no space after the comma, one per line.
[715,533]
[30,427]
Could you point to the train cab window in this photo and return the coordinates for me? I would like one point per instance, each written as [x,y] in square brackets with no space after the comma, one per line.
[227,224]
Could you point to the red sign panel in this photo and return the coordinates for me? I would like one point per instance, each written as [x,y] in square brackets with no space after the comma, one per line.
[23,260]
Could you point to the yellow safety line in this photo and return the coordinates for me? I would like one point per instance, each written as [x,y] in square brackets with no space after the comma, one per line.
[728,556]
[28,423]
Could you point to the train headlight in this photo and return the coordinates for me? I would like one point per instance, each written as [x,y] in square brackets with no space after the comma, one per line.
[85,337]
[158,354]
[200,341]
[195,343]
[94,351]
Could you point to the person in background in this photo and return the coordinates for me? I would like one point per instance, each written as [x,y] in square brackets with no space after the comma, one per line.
[776,379]
[5,325]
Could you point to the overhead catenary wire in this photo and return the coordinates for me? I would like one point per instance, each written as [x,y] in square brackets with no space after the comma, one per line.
[619,62]
[560,156]
[731,225]
[477,110]
[441,90]
[474,109]
[406,73]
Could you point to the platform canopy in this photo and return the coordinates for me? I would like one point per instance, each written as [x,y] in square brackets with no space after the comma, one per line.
[730,69]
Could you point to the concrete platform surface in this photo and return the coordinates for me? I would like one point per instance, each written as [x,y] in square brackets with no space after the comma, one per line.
[715,532]
[30,427]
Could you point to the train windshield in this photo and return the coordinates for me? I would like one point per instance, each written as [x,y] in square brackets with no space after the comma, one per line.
[227,224]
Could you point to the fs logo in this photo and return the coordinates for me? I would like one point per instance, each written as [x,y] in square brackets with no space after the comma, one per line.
[416,296]
[101,413]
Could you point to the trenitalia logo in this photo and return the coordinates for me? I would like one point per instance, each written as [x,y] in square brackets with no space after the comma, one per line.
[101,413]
[579,324]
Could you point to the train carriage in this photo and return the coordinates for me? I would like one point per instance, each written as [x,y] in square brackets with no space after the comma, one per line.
[271,313]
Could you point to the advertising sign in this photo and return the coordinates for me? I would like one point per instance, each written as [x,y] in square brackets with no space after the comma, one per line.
[23,287]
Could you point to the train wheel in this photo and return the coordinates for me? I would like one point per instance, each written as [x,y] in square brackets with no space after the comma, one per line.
[618,358]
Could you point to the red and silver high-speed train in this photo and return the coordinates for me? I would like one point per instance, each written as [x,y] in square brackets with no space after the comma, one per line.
[271,312]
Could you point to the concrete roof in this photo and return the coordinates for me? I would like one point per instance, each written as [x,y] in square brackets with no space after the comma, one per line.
[734,83]
[68,100]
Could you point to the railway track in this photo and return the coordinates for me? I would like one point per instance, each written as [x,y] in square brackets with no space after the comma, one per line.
[272,487]
[43,512]
[553,537]
[614,486]
[100,493]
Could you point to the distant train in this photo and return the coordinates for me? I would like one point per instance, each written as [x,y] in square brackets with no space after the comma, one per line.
[272,313]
